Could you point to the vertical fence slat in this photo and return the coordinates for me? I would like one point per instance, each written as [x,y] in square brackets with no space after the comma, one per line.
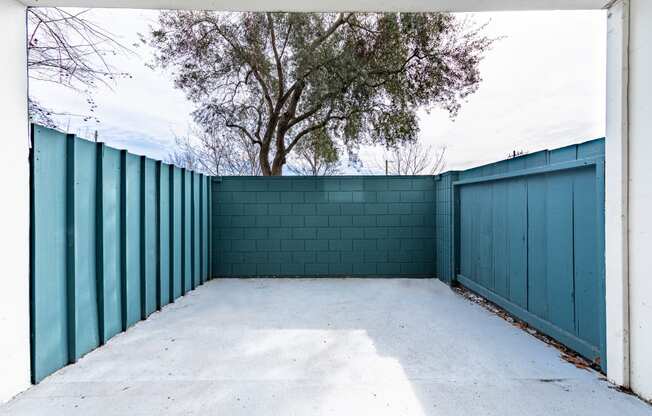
[187,231]
[183,232]
[152,233]
[161,263]
[133,238]
[202,228]
[586,305]
[196,218]
[193,249]
[560,247]
[148,237]
[517,230]
[176,197]
[86,332]
[600,254]
[49,243]
[211,237]
[205,228]
[111,215]
[209,217]
[166,254]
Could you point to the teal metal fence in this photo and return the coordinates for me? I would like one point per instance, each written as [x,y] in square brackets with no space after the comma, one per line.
[114,237]
[326,226]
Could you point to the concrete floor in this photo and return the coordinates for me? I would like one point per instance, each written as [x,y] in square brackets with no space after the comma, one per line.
[324,347]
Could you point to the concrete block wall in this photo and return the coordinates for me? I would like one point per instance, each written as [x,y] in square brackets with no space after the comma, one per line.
[326,226]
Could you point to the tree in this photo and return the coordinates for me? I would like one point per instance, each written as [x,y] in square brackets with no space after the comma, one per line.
[215,154]
[316,155]
[413,158]
[276,78]
[67,49]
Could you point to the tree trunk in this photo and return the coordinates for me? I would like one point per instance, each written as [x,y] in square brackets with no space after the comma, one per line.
[276,168]
[263,159]
[277,165]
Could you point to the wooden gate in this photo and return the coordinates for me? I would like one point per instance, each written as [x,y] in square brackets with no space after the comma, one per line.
[531,239]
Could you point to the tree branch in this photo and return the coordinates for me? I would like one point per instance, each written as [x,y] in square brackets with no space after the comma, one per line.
[244,130]
[279,66]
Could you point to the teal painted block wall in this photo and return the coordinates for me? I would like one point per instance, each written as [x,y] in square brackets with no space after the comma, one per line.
[325,226]
[106,231]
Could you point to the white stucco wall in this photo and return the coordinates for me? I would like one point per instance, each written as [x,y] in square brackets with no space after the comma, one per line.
[616,181]
[640,197]
[14,208]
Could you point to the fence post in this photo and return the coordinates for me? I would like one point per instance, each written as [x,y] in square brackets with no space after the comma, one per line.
[99,238]
[70,246]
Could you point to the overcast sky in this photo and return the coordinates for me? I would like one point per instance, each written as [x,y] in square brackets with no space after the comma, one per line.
[543,87]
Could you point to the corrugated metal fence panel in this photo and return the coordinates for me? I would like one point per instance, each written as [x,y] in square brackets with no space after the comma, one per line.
[100,224]
[307,226]
[533,242]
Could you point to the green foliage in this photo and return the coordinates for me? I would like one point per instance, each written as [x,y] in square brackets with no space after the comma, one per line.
[316,155]
[356,78]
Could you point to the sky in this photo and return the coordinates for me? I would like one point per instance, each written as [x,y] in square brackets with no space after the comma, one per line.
[543,86]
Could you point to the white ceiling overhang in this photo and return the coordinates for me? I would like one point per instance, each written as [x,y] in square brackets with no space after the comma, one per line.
[333,5]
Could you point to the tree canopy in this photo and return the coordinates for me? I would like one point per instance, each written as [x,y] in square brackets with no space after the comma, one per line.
[278,79]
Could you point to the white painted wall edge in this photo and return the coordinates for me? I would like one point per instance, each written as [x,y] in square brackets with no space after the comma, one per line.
[640,197]
[334,5]
[14,211]
[616,195]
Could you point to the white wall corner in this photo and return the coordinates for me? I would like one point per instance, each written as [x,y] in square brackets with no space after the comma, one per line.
[616,194]
[640,197]
[14,210]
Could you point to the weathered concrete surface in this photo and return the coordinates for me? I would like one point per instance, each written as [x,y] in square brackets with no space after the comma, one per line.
[324,347]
